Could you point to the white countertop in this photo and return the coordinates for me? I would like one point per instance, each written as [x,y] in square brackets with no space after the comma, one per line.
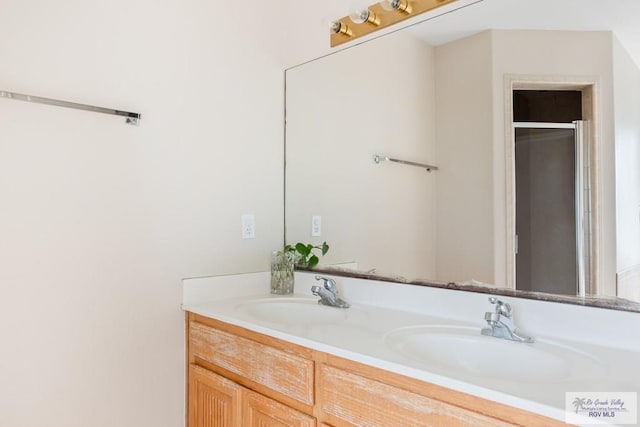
[361,333]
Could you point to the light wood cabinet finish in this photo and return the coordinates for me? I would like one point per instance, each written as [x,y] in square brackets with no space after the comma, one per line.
[496,411]
[282,371]
[260,411]
[213,400]
[350,399]
[218,402]
[284,384]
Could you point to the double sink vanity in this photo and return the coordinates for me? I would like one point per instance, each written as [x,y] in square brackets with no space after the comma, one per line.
[398,355]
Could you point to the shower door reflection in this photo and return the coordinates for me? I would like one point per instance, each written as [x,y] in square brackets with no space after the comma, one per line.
[549,221]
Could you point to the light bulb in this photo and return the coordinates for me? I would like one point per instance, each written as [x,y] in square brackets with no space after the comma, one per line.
[400,5]
[338,27]
[359,16]
[364,15]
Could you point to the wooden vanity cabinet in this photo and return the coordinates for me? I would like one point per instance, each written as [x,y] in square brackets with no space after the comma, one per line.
[241,378]
[237,378]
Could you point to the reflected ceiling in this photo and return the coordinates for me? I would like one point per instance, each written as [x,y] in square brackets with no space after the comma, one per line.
[568,15]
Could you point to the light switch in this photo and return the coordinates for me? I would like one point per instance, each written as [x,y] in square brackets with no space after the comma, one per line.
[316,225]
[248,226]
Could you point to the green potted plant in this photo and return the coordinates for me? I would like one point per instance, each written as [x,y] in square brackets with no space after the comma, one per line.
[304,256]
[284,262]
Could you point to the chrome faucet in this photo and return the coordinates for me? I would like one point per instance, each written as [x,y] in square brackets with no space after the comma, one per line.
[328,293]
[501,323]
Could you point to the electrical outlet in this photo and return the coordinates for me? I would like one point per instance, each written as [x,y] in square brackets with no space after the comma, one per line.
[248,226]
[316,225]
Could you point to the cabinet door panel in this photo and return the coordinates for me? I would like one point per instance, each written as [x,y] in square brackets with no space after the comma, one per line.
[352,400]
[214,401]
[260,411]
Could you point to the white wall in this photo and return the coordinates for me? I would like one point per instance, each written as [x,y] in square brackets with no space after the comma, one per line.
[341,110]
[99,220]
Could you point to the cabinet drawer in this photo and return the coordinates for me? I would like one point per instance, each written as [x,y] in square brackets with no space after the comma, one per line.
[350,399]
[278,370]
[260,411]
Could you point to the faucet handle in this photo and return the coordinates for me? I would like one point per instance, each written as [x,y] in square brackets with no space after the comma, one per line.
[502,307]
[329,284]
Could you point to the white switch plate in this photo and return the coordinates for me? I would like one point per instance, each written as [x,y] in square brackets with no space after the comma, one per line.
[316,225]
[248,226]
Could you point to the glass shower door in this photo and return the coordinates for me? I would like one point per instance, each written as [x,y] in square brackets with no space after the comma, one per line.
[549,253]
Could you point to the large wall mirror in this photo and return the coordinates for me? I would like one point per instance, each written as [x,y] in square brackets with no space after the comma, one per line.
[528,113]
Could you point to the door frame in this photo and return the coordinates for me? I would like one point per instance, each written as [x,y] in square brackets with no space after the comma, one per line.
[589,88]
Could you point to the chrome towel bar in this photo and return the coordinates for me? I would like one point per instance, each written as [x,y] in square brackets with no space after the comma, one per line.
[131,118]
[378,158]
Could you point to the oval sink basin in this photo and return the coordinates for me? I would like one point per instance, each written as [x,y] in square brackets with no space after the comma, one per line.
[294,311]
[463,350]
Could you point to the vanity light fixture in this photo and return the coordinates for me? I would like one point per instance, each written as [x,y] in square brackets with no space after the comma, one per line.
[339,27]
[384,13]
[364,15]
[399,5]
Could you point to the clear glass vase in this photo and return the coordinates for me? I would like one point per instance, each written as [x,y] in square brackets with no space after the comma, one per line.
[282,269]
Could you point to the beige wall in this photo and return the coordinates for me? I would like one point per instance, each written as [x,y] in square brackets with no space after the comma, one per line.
[464,153]
[100,220]
[341,110]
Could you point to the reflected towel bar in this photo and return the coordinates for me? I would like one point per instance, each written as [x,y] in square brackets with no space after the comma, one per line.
[378,158]
[131,118]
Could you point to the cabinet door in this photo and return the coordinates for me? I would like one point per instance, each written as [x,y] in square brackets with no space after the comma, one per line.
[260,411]
[214,401]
